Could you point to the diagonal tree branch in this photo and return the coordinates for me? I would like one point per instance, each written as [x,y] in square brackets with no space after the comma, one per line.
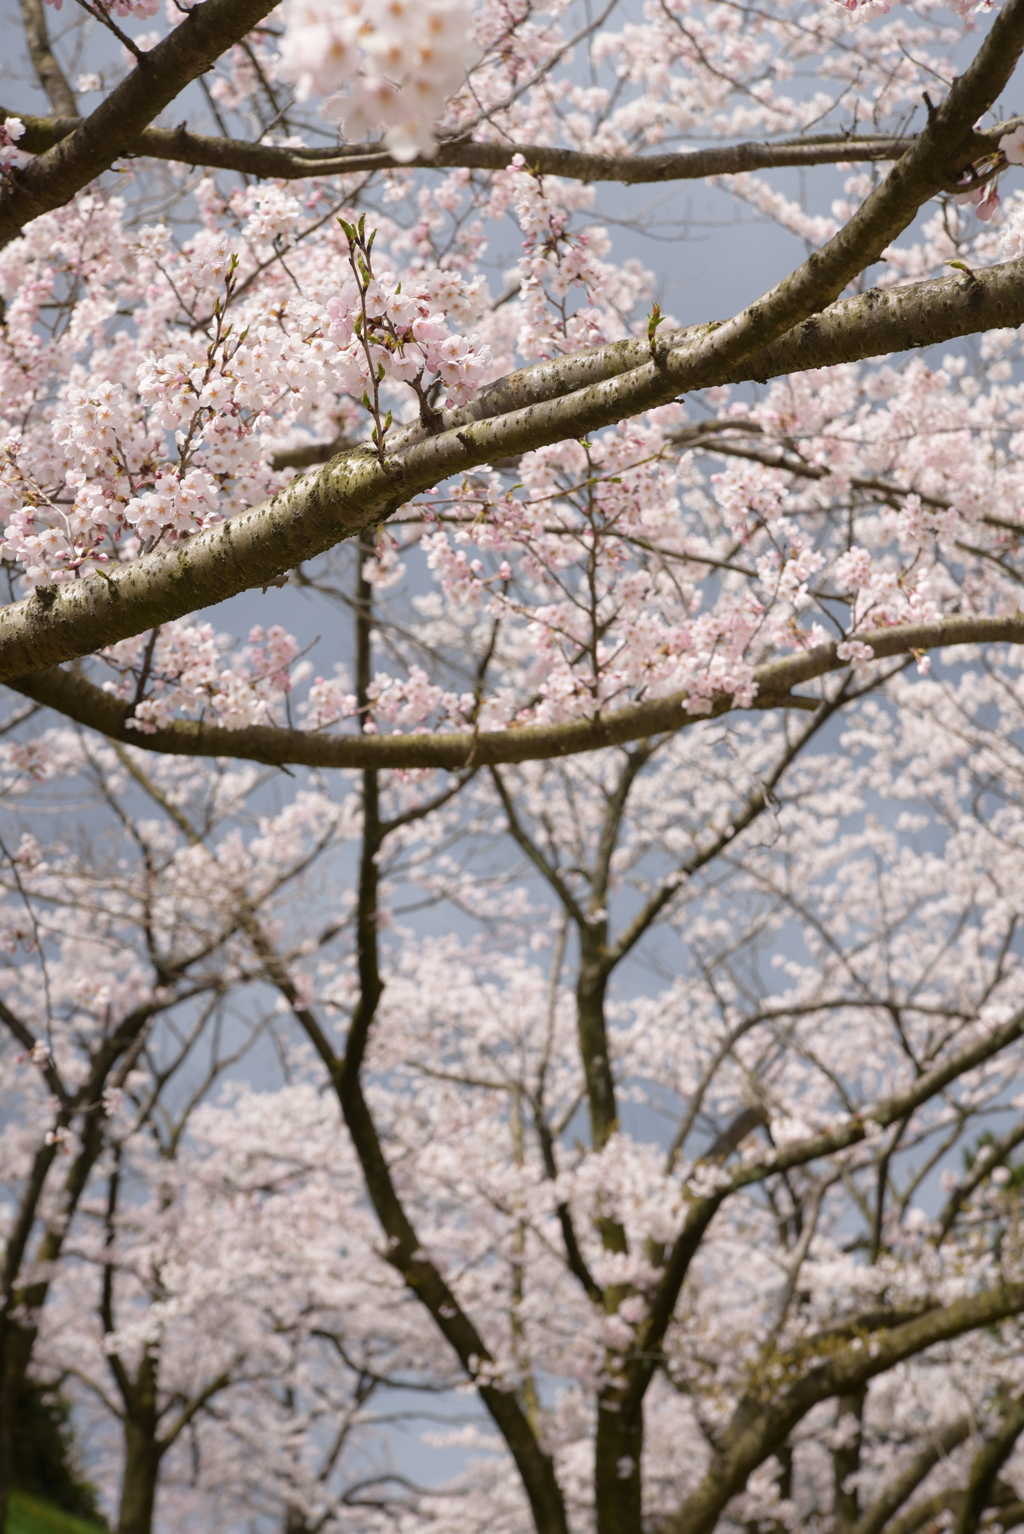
[321,509]
[885,212]
[988,1157]
[536,856]
[909,1479]
[404,1249]
[27,1040]
[853,1131]
[987,1464]
[191,48]
[742,817]
[763,1419]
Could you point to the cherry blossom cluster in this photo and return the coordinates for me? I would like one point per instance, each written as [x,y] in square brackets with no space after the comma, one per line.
[139,8]
[384,334]
[155,433]
[562,272]
[626,568]
[630,517]
[702,72]
[406,702]
[621,569]
[11,130]
[390,67]
[187,671]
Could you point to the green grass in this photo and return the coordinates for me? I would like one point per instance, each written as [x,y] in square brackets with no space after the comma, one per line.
[28,1515]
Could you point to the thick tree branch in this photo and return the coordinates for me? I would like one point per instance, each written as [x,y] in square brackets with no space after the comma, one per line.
[115,1363]
[987,1464]
[872,324]
[292,164]
[764,1419]
[888,210]
[77,698]
[192,47]
[924,1512]
[27,1040]
[578,395]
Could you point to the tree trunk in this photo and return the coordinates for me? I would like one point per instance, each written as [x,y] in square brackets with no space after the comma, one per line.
[617,1484]
[141,1471]
[593,1037]
[6,1454]
[15,1352]
[846,1462]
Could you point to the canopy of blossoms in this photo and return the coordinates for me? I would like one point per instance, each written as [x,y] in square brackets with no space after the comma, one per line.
[514,1021]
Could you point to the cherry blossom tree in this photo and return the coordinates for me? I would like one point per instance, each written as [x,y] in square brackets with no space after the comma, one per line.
[171,1327]
[125,982]
[836,1345]
[680,1148]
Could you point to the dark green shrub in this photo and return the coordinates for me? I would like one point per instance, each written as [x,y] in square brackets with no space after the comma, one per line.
[44,1453]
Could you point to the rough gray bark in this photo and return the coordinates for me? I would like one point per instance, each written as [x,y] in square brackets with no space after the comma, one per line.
[531,408]
[141,1471]
[186,148]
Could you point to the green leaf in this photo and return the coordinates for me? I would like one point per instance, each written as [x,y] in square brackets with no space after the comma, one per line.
[655,319]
